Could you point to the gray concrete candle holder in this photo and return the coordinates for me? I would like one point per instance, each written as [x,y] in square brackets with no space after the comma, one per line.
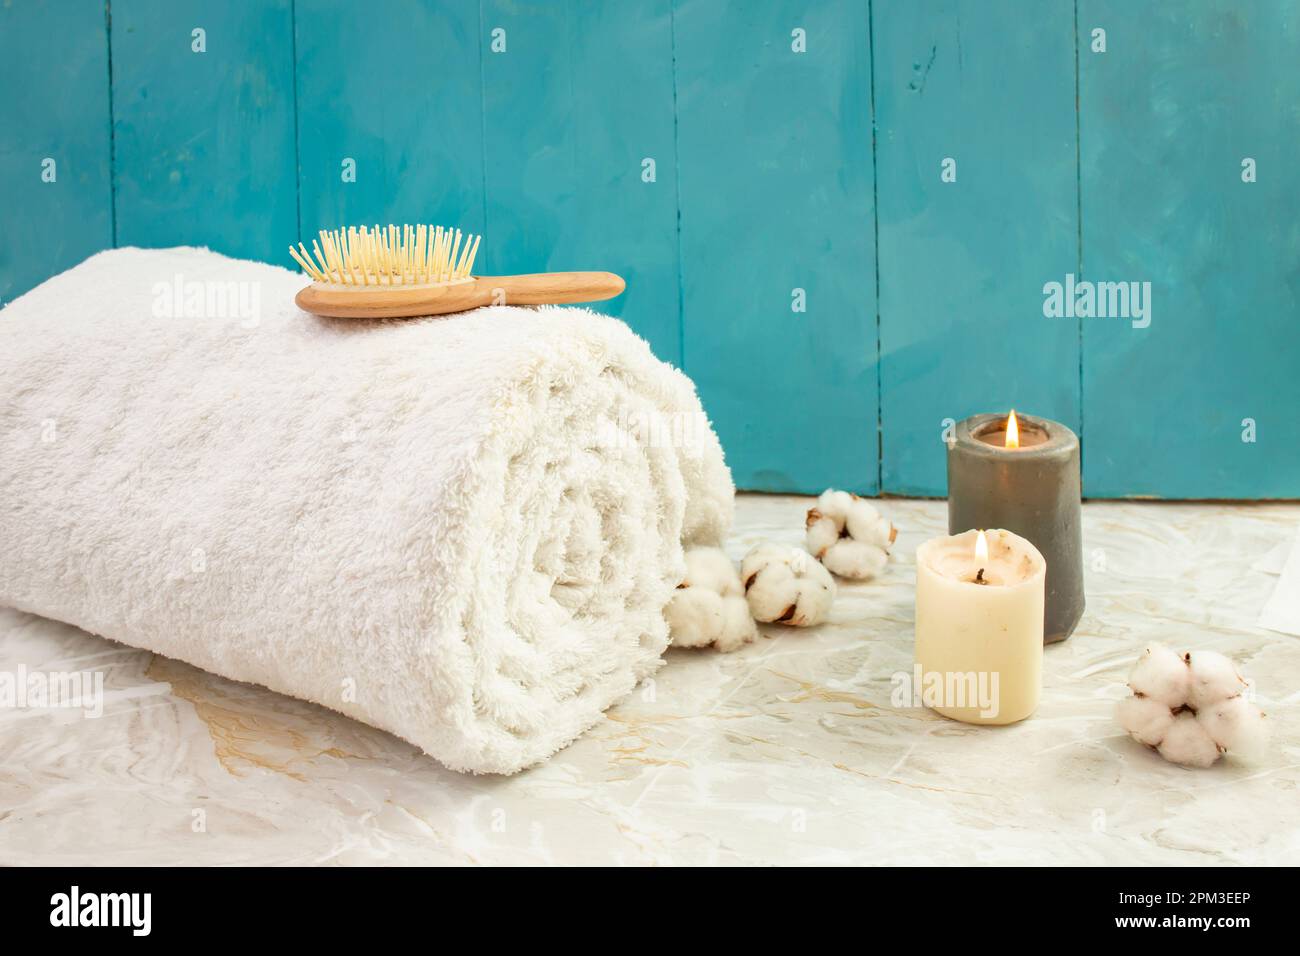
[1033,491]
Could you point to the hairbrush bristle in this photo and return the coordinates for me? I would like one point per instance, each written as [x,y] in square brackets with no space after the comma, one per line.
[396,255]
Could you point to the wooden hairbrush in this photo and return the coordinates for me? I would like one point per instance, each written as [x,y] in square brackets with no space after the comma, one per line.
[403,271]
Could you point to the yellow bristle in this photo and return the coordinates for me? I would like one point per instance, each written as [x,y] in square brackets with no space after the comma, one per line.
[460,263]
[334,255]
[367,260]
[327,258]
[388,255]
[332,252]
[467,257]
[451,257]
[336,250]
[305,268]
[356,268]
[472,256]
[320,272]
[318,259]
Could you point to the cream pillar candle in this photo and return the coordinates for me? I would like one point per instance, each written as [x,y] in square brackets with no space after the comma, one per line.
[979,626]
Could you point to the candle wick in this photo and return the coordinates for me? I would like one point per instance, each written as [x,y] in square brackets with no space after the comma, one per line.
[979,577]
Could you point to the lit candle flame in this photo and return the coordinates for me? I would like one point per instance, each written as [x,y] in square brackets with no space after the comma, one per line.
[1013,431]
[981,548]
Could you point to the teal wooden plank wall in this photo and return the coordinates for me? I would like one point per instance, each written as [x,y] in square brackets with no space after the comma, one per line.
[778,272]
[389,125]
[1171,409]
[56,196]
[204,141]
[577,96]
[839,218]
[976,89]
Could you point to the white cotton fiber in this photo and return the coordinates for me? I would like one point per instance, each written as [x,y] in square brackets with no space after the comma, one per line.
[709,608]
[1160,674]
[1191,707]
[848,535]
[786,585]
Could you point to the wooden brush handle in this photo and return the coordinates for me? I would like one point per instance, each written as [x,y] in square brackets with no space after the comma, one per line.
[551,288]
[386,302]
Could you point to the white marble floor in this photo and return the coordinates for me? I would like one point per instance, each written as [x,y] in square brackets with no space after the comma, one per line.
[786,752]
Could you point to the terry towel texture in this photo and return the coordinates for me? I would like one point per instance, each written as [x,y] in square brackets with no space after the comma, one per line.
[462,530]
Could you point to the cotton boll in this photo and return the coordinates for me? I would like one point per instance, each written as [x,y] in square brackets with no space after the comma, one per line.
[1236,725]
[738,627]
[709,606]
[1191,707]
[1188,744]
[822,533]
[695,617]
[786,585]
[856,560]
[848,535]
[1212,678]
[867,524]
[834,502]
[1160,674]
[711,568]
[1145,719]
[759,557]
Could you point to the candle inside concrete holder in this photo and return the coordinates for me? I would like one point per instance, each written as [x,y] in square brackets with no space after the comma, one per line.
[1022,474]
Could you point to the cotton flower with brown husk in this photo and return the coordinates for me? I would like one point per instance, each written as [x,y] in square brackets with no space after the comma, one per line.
[709,606]
[1192,708]
[849,536]
[786,585]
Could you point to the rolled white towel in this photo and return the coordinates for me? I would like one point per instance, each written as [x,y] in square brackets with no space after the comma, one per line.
[462,530]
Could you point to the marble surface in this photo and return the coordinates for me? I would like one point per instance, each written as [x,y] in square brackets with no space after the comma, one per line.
[786,752]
